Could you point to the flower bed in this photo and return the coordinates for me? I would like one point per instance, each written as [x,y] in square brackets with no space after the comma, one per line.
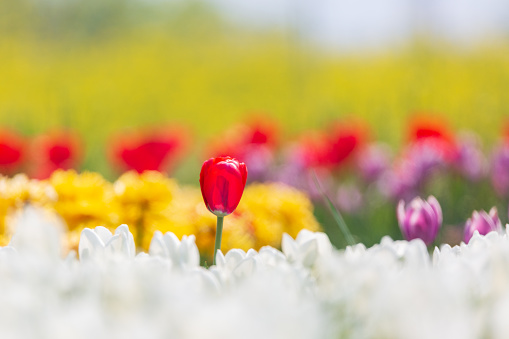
[394,289]
[151,201]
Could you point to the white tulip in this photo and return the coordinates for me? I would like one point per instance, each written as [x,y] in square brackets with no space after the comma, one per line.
[182,254]
[100,244]
[393,289]
[307,247]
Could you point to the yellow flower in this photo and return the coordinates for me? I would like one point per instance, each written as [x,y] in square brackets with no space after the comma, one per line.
[274,209]
[150,201]
[142,199]
[84,200]
[17,192]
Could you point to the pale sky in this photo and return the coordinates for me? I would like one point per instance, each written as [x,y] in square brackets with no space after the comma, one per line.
[351,24]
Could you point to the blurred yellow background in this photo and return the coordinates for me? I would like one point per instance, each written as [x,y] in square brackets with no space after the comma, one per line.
[99,67]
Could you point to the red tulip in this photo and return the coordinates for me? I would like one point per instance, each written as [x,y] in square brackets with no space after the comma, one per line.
[435,135]
[254,143]
[148,156]
[55,150]
[310,149]
[261,132]
[11,152]
[242,139]
[151,150]
[334,148]
[342,143]
[505,132]
[222,182]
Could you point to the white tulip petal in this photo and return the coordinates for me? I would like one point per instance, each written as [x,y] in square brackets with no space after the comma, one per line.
[245,268]
[90,244]
[103,233]
[289,247]
[157,246]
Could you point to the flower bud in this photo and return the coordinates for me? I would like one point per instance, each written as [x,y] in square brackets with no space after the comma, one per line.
[482,222]
[420,219]
[222,182]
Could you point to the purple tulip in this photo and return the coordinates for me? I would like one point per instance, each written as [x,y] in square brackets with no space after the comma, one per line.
[412,170]
[292,172]
[373,161]
[482,222]
[500,170]
[398,184]
[259,159]
[470,161]
[420,219]
[423,159]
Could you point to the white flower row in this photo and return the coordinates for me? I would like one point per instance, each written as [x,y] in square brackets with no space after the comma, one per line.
[309,290]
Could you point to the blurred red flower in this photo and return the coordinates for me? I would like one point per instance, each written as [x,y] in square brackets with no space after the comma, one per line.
[241,139]
[58,149]
[505,132]
[253,143]
[343,141]
[435,134]
[334,148]
[12,148]
[148,150]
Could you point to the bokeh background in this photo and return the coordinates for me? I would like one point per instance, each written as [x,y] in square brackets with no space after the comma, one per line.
[103,68]
[98,66]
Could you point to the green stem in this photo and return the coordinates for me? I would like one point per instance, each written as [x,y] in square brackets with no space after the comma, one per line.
[335,213]
[140,225]
[219,234]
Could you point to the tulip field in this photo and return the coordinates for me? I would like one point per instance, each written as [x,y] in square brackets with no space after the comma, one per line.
[308,289]
[167,173]
[336,180]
